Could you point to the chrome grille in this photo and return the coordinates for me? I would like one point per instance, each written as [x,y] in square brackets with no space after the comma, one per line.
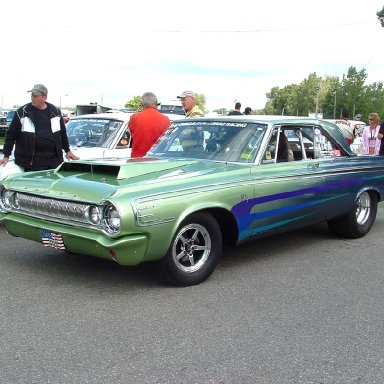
[55,209]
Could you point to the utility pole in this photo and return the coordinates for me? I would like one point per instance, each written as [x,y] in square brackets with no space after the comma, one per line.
[334,105]
[317,100]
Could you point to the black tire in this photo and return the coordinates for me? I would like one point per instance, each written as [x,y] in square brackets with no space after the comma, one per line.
[359,220]
[194,252]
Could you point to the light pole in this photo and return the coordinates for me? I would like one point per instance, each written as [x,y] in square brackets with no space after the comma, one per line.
[317,100]
[334,105]
[60,99]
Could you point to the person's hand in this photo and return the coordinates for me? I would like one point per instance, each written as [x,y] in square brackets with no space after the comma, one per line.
[71,156]
[4,161]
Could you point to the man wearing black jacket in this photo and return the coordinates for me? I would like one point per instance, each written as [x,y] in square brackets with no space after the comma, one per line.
[38,133]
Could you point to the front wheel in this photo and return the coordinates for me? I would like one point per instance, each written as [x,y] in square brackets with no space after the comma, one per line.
[359,220]
[194,252]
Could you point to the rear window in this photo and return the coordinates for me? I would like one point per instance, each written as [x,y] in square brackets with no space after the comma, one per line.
[172,109]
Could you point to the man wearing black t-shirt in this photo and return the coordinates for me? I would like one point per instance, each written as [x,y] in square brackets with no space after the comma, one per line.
[38,133]
[236,111]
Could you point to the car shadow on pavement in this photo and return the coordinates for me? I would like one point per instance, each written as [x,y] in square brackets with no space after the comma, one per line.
[56,267]
[281,245]
[61,268]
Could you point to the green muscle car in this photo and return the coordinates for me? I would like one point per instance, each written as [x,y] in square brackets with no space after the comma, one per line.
[206,182]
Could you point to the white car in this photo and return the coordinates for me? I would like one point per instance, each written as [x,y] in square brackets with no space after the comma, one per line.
[92,136]
[352,130]
[100,135]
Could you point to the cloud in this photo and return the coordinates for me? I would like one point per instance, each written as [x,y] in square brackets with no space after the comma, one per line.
[109,52]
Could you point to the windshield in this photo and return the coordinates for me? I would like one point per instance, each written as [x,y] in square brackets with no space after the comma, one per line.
[92,132]
[211,140]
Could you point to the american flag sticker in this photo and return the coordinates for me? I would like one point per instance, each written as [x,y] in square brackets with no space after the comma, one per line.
[53,240]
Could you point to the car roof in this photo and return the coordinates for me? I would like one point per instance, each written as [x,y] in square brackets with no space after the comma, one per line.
[270,119]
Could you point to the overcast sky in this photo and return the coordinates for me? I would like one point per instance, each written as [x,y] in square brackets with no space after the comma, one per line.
[110,51]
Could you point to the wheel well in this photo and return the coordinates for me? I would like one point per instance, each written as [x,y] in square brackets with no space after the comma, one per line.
[374,191]
[379,197]
[227,224]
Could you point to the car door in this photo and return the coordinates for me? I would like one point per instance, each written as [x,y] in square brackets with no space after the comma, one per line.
[289,193]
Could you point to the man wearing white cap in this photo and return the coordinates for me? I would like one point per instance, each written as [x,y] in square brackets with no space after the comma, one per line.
[191,138]
[38,133]
[188,101]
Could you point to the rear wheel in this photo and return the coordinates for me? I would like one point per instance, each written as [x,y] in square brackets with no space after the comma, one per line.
[359,220]
[194,252]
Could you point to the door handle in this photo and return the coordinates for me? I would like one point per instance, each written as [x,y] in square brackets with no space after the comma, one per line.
[313,166]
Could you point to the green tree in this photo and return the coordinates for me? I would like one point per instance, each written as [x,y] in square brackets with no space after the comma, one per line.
[330,102]
[373,100]
[221,111]
[292,100]
[352,87]
[134,104]
[306,98]
[281,101]
[380,16]
[201,101]
[271,105]
[330,93]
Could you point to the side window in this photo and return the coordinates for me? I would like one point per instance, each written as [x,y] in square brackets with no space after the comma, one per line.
[124,141]
[317,145]
[269,154]
[294,143]
[279,147]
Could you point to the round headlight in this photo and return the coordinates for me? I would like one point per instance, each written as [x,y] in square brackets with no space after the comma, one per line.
[112,218]
[2,193]
[94,214]
[10,199]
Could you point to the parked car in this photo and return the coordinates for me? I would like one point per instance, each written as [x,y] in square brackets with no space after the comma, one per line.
[92,136]
[352,130]
[100,135]
[172,107]
[3,125]
[206,183]
[3,120]
[10,115]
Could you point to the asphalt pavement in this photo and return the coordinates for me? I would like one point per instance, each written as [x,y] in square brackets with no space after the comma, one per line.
[304,307]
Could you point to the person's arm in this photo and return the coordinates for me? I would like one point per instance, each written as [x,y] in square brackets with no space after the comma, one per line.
[71,156]
[65,142]
[381,132]
[64,137]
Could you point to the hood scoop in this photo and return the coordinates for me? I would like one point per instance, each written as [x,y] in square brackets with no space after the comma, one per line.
[94,169]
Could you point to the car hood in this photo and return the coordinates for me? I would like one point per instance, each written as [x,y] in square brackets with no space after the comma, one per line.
[97,180]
